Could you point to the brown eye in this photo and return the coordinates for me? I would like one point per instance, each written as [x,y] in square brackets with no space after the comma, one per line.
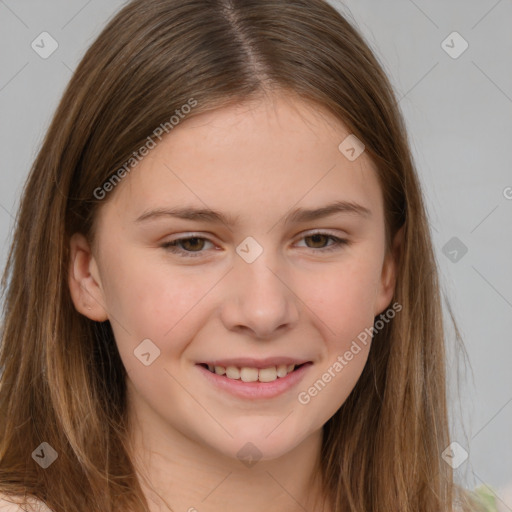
[317,239]
[190,246]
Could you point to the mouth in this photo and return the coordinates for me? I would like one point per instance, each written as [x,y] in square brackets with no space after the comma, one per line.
[258,382]
[256,373]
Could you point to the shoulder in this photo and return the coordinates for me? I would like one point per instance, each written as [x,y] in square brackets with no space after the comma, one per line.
[12,504]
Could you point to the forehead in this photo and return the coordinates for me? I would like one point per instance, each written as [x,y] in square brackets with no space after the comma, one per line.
[252,160]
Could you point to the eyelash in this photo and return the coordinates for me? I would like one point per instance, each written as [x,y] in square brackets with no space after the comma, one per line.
[173,246]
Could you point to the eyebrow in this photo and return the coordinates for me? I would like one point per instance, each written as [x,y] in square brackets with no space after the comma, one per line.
[295,216]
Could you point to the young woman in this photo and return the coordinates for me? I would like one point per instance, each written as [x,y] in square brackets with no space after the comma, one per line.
[221,291]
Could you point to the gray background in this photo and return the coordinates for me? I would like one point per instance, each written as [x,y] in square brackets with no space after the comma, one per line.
[459,115]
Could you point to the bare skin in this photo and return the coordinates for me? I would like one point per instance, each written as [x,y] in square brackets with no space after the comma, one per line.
[255,162]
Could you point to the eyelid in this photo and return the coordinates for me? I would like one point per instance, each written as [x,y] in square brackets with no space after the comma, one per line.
[308,232]
[339,242]
[326,231]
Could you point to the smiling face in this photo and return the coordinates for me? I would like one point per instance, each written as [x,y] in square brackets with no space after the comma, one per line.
[252,282]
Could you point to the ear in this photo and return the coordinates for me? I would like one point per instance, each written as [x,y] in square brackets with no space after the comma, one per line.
[389,273]
[84,282]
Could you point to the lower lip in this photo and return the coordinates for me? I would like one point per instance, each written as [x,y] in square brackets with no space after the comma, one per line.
[255,390]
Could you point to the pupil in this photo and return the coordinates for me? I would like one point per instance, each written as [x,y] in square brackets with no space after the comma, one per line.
[315,237]
[188,240]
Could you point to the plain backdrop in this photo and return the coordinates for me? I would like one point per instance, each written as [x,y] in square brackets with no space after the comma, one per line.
[455,91]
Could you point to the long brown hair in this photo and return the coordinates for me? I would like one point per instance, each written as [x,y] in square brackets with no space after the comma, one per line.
[63,380]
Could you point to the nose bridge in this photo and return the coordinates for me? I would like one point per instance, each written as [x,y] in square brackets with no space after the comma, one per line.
[261,276]
[258,273]
[259,299]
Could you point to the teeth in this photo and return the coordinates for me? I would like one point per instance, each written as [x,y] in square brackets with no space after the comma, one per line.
[253,374]
[268,374]
[282,370]
[249,374]
[232,372]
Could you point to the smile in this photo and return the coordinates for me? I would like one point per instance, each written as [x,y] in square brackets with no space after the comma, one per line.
[248,374]
[254,383]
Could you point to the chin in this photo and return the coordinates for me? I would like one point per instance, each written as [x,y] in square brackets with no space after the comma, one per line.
[259,443]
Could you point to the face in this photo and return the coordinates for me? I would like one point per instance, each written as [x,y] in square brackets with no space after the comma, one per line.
[266,282]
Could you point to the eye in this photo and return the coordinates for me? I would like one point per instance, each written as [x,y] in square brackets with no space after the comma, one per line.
[191,247]
[195,242]
[319,237]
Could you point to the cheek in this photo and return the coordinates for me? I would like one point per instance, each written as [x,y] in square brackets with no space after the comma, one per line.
[343,302]
[148,299]
[343,297]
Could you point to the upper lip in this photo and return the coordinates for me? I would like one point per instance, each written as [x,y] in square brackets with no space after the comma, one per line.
[250,362]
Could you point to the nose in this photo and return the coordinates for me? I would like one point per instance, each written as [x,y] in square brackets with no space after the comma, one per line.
[258,298]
